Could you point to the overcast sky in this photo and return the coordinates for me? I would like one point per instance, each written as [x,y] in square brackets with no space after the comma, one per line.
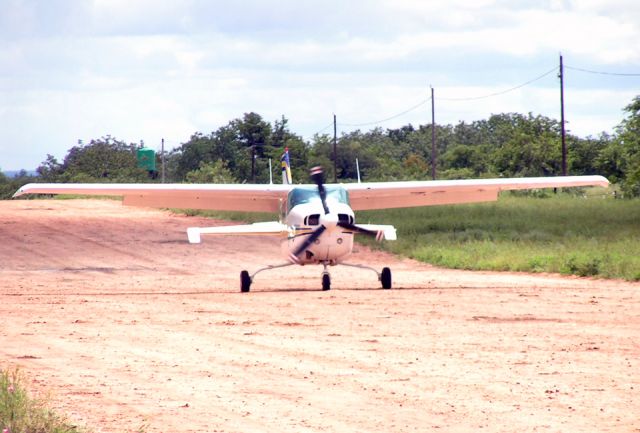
[148,69]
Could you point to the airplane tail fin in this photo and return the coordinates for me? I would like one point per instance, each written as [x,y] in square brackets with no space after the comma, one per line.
[286,168]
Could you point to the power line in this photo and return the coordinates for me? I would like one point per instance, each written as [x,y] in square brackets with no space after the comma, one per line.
[321,130]
[421,103]
[388,118]
[502,92]
[619,74]
[475,98]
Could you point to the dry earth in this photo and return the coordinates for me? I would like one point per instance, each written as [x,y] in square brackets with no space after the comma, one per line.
[129,326]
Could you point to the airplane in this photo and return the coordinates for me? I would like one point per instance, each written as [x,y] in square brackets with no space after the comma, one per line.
[317,221]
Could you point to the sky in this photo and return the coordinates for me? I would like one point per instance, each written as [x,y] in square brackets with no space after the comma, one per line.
[143,70]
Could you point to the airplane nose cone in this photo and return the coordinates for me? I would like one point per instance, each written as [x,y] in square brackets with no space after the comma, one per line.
[329,221]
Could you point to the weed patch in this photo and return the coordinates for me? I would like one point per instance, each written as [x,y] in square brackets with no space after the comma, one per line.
[19,413]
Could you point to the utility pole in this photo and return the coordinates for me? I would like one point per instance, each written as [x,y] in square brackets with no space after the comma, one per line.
[335,152]
[564,144]
[434,157]
[162,159]
[253,163]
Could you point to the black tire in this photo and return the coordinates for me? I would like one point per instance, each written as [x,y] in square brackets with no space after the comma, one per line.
[326,282]
[245,282]
[385,278]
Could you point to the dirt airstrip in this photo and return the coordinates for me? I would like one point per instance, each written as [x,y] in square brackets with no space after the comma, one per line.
[129,327]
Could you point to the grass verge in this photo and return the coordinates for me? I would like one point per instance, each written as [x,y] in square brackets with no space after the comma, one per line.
[558,233]
[19,413]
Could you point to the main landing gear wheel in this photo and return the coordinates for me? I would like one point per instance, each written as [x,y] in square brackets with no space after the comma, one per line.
[385,278]
[245,281]
[326,282]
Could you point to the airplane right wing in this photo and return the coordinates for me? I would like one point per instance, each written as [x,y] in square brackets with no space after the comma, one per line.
[384,195]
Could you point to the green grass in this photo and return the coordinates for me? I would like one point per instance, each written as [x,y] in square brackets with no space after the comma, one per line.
[247,217]
[19,413]
[590,236]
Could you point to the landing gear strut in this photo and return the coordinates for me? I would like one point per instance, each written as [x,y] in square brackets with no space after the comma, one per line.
[384,277]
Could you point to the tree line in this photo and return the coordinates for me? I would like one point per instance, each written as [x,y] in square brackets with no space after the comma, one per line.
[504,145]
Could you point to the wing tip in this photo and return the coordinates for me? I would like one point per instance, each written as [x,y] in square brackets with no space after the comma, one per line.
[21,191]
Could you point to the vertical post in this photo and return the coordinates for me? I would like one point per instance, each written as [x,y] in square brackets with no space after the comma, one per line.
[253,163]
[434,157]
[162,158]
[335,152]
[564,143]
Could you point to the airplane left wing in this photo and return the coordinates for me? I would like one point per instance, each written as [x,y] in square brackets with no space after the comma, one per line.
[384,195]
[237,197]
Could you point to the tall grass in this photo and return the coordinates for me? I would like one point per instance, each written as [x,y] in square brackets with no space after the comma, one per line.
[555,233]
[20,413]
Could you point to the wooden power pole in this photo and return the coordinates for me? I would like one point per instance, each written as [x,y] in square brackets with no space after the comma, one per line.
[564,143]
[162,158]
[434,157]
[335,151]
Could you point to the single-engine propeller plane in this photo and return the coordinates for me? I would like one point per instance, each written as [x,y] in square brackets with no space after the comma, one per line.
[317,221]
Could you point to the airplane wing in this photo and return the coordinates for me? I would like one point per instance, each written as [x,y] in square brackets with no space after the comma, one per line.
[384,195]
[272,197]
[237,197]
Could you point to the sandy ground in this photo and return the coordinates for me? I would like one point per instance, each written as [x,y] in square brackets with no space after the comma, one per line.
[130,327]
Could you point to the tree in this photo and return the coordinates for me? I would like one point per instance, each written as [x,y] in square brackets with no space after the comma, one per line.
[50,169]
[629,140]
[215,172]
[103,160]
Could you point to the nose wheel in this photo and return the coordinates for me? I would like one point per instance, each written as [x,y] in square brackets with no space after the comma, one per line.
[326,281]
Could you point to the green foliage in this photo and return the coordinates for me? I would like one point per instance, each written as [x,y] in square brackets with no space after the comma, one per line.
[559,233]
[20,413]
[245,146]
[215,172]
[103,160]
[629,140]
[8,186]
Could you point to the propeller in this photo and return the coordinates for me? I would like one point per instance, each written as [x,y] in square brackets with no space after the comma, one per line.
[328,220]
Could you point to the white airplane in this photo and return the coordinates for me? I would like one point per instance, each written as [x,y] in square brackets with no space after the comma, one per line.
[317,222]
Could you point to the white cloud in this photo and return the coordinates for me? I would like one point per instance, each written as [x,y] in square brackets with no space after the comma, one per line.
[148,69]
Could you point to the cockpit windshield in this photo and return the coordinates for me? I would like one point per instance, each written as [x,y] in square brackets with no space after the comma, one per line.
[309,194]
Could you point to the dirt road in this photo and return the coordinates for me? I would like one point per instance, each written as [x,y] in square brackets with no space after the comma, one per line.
[129,326]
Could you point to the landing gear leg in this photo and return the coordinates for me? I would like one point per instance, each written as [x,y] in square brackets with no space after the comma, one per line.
[246,279]
[384,277]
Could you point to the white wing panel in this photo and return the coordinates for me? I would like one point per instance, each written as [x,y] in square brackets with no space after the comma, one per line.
[239,197]
[383,195]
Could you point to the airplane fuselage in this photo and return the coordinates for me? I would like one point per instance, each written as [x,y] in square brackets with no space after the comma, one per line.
[306,214]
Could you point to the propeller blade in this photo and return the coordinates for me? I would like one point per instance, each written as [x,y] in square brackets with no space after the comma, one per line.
[378,234]
[295,256]
[317,175]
